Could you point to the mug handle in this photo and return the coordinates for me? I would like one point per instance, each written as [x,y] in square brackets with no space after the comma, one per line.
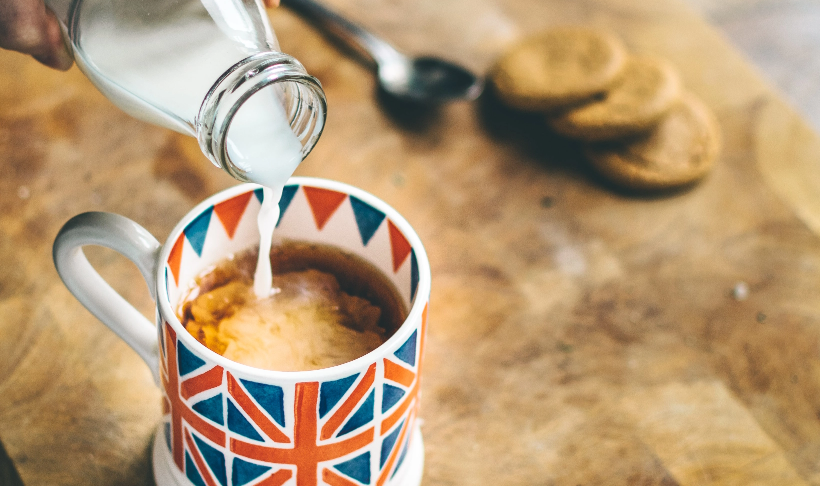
[135,243]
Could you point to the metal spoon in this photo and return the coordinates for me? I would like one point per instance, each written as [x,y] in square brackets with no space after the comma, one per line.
[420,79]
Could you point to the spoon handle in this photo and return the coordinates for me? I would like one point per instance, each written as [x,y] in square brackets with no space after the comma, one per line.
[343,29]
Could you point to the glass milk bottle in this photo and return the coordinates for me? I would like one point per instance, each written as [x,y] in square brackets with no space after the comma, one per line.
[207,68]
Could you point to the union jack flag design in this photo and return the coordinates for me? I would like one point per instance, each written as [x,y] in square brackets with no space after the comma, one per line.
[221,427]
[226,429]
[401,393]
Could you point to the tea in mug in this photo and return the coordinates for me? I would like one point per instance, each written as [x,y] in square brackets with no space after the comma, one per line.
[326,307]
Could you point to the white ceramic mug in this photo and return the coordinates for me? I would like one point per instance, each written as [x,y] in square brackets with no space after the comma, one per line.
[230,424]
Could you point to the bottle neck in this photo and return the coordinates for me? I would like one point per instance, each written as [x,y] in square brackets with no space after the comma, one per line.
[302,100]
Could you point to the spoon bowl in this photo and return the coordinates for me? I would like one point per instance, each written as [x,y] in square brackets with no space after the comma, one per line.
[420,80]
[429,80]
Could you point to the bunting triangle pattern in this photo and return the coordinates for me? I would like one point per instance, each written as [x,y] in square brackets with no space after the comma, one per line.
[399,245]
[368,218]
[175,258]
[323,203]
[287,196]
[414,274]
[167,290]
[230,212]
[185,261]
[197,229]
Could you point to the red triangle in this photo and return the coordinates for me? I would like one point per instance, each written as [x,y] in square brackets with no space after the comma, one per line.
[175,258]
[231,211]
[399,244]
[323,203]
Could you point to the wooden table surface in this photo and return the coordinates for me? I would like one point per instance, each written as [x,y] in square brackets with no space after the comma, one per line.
[781,38]
[578,335]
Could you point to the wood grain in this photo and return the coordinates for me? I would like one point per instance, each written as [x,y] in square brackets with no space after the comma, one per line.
[578,335]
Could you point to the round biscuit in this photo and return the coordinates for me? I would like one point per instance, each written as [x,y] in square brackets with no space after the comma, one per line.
[648,89]
[558,68]
[680,150]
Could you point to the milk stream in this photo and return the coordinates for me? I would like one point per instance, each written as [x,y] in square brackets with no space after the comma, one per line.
[266,221]
[157,60]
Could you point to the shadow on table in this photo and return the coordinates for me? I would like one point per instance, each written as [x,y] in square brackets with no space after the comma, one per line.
[407,115]
[528,133]
[8,473]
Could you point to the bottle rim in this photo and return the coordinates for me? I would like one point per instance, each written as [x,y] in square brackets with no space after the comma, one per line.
[238,84]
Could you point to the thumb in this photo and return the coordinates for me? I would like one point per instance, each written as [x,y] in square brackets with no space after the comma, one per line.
[54,53]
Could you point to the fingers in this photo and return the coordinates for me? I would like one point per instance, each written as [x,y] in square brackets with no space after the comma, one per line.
[27,26]
[56,54]
[271,3]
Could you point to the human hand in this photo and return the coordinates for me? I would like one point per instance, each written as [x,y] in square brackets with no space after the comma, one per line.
[29,27]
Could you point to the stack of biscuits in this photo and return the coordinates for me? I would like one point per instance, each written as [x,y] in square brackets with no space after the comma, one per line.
[640,128]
